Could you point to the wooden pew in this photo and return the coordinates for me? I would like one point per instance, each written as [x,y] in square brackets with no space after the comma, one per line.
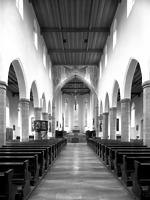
[52,151]
[7,189]
[45,150]
[54,144]
[111,155]
[106,147]
[141,180]
[128,167]
[118,161]
[40,158]
[33,165]
[21,177]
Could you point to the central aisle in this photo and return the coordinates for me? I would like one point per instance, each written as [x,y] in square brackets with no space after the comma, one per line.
[79,174]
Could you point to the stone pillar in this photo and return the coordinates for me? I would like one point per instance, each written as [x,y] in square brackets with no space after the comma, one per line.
[53,121]
[96,121]
[2,113]
[146,113]
[112,119]
[105,125]
[37,116]
[24,115]
[45,116]
[37,113]
[125,120]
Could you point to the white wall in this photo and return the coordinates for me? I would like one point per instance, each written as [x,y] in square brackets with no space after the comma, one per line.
[132,42]
[16,42]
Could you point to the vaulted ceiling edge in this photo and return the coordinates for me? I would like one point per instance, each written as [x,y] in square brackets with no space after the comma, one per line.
[62,73]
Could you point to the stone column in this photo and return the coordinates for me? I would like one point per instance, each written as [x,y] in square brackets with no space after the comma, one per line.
[37,113]
[53,121]
[96,120]
[2,113]
[146,113]
[37,116]
[105,125]
[24,115]
[125,120]
[45,116]
[112,119]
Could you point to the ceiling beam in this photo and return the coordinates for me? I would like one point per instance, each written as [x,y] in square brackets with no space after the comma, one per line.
[71,93]
[90,24]
[71,30]
[74,88]
[61,33]
[75,51]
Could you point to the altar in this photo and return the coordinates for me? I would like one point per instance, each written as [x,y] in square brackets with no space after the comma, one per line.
[76,130]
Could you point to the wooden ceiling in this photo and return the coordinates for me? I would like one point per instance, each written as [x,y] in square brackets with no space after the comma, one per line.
[75,31]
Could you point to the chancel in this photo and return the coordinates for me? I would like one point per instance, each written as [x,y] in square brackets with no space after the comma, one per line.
[74,99]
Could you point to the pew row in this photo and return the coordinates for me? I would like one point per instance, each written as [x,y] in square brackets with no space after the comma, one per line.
[20,178]
[8,190]
[128,168]
[141,180]
[39,155]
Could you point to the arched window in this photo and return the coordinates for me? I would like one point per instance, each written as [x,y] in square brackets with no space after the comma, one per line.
[19,5]
[100,70]
[76,112]
[85,112]
[35,34]
[105,55]
[130,4]
[44,57]
[66,113]
[133,115]
[114,33]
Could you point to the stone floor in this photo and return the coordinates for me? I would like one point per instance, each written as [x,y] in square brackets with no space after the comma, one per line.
[79,174]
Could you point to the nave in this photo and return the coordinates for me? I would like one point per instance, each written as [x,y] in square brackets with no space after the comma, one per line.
[79,174]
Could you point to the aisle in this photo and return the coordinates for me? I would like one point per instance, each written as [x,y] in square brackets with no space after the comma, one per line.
[79,174]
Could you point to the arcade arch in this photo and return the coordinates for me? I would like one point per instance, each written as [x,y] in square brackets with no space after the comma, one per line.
[16,94]
[92,107]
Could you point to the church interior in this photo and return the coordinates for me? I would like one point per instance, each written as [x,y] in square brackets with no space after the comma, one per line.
[74,99]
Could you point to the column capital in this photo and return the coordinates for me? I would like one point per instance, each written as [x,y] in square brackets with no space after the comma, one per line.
[113,108]
[45,113]
[105,113]
[3,85]
[146,84]
[37,108]
[125,100]
[24,100]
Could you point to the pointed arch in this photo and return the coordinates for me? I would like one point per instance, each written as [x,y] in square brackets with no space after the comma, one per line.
[106,106]
[34,89]
[129,78]
[43,103]
[49,107]
[18,68]
[101,107]
[115,93]
[67,80]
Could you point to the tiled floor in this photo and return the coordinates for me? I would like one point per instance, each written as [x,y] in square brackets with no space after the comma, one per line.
[79,174]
